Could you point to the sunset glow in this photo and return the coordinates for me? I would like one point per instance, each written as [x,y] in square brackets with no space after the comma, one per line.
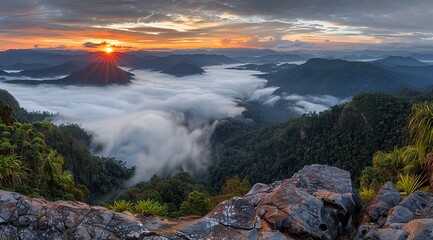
[283,25]
[108,50]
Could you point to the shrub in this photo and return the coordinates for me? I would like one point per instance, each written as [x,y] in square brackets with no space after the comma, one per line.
[367,194]
[122,205]
[151,207]
[408,183]
[196,204]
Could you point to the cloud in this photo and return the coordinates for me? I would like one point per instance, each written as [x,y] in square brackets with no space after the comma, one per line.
[94,45]
[310,104]
[159,123]
[103,44]
[219,23]
[265,96]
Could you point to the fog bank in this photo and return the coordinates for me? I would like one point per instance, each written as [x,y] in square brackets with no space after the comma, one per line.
[159,123]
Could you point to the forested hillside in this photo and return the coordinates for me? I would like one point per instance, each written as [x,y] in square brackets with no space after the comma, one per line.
[345,136]
[40,159]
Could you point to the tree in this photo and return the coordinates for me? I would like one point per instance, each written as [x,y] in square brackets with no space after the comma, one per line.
[236,186]
[421,131]
[232,187]
[12,171]
[421,123]
[407,166]
[196,204]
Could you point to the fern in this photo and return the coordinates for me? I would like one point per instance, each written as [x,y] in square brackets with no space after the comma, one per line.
[122,205]
[150,207]
[409,183]
[367,194]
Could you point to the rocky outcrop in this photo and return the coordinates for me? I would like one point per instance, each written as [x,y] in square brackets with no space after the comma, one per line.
[33,218]
[318,202]
[386,217]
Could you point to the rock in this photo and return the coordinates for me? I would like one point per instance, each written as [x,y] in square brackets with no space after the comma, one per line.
[318,202]
[419,229]
[230,219]
[387,197]
[27,218]
[273,236]
[399,214]
[386,234]
[387,218]
[418,201]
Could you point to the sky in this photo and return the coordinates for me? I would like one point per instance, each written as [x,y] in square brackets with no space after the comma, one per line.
[179,24]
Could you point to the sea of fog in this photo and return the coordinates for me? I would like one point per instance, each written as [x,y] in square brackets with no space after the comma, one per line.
[159,123]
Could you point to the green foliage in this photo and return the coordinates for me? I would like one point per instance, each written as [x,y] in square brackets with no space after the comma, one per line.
[421,123]
[236,186]
[367,194]
[12,172]
[122,205]
[19,113]
[408,183]
[54,174]
[172,191]
[150,207]
[409,164]
[232,187]
[28,166]
[344,136]
[196,204]
[100,175]
[6,114]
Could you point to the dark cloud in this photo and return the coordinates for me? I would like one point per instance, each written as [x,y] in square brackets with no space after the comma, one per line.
[224,22]
[102,44]
[94,45]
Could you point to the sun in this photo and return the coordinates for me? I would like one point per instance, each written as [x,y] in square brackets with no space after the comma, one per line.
[108,50]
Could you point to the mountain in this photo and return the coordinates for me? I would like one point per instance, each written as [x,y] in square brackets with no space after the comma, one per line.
[158,63]
[420,77]
[95,74]
[274,58]
[98,74]
[267,67]
[62,69]
[393,61]
[344,136]
[201,59]
[423,56]
[338,78]
[184,69]
[26,66]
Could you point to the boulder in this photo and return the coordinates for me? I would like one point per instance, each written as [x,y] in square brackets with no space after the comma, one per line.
[35,218]
[385,217]
[387,197]
[419,229]
[318,202]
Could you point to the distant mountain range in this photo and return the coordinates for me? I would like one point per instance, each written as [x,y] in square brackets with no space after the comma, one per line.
[94,74]
[59,70]
[184,69]
[338,78]
[393,61]
[335,77]
[26,66]
[267,67]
